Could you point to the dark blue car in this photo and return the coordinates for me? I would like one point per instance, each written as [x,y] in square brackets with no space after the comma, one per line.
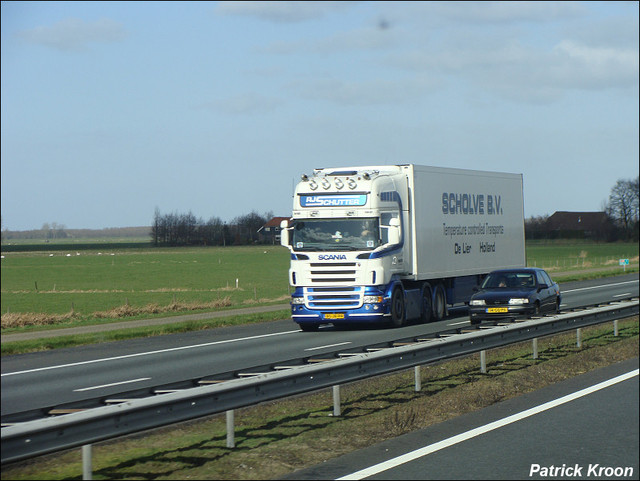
[514,293]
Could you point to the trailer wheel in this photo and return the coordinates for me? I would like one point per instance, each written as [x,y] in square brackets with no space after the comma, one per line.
[439,304]
[427,305]
[398,314]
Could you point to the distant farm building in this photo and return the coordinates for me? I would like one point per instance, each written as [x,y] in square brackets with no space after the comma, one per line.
[580,225]
[271,230]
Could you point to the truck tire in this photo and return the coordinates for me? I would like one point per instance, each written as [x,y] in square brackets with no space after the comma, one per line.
[398,314]
[427,305]
[439,304]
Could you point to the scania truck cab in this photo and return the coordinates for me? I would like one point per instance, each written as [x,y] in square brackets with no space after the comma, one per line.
[347,245]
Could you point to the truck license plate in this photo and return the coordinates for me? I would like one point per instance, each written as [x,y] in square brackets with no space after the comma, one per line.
[493,310]
[334,315]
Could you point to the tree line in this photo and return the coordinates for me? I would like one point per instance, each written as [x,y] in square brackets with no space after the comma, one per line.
[187,230]
[621,209]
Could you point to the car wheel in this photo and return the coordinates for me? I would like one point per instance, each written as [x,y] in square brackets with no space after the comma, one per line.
[535,312]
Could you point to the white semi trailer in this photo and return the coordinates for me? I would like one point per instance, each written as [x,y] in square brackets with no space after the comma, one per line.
[397,243]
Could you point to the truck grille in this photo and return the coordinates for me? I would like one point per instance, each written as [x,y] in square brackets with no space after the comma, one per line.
[338,272]
[333,297]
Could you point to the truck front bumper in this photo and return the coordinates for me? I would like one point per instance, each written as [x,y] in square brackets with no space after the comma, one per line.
[367,312]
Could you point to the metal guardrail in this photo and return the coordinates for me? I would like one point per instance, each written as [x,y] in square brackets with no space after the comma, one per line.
[34,438]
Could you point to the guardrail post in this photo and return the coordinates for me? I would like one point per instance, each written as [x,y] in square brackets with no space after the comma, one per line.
[579,337]
[535,348]
[336,400]
[483,361]
[231,434]
[615,328]
[418,381]
[86,462]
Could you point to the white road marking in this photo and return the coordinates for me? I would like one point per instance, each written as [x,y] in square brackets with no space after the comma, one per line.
[600,286]
[183,348]
[112,384]
[623,295]
[328,345]
[458,323]
[445,443]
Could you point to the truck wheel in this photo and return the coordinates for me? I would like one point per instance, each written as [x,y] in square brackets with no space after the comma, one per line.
[397,308]
[427,305]
[439,304]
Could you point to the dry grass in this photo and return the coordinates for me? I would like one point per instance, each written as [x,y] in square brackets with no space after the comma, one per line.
[277,438]
[24,319]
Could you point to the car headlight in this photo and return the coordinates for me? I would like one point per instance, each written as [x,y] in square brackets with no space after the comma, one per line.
[477,302]
[518,301]
[372,299]
[297,300]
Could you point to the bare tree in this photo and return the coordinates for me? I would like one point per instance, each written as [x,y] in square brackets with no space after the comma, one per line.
[623,205]
[535,227]
[623,202]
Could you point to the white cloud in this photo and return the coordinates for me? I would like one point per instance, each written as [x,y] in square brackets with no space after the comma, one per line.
[283,12]
[372,92]
[596,67]
[75,34]
[500,12]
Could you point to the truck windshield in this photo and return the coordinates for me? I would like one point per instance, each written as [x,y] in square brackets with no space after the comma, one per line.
[336,234]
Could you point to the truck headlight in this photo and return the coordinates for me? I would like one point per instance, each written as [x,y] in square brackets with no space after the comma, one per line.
[297,300]
[477,302]
[518,301]
[372,299]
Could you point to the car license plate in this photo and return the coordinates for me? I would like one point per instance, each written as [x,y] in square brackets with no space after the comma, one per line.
[493,310]
[334,315]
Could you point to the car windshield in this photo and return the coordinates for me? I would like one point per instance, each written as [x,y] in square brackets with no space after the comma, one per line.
[336,234]
[497,280]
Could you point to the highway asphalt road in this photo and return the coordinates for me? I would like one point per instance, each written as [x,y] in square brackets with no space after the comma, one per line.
[582,428]
[47,379]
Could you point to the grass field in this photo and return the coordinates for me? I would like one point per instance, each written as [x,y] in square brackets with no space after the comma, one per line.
[84,282]
[98,280]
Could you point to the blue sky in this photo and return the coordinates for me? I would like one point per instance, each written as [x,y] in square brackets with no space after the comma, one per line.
[113,109]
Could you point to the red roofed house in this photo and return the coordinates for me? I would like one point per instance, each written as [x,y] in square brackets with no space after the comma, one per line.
[271,230]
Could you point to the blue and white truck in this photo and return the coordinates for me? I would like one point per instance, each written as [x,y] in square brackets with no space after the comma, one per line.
[399,242]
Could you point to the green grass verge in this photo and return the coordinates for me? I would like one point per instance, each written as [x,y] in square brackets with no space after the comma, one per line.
[278,438]
[74,289]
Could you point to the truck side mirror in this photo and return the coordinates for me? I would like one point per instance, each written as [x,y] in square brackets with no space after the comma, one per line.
[284,233]
[394,231]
